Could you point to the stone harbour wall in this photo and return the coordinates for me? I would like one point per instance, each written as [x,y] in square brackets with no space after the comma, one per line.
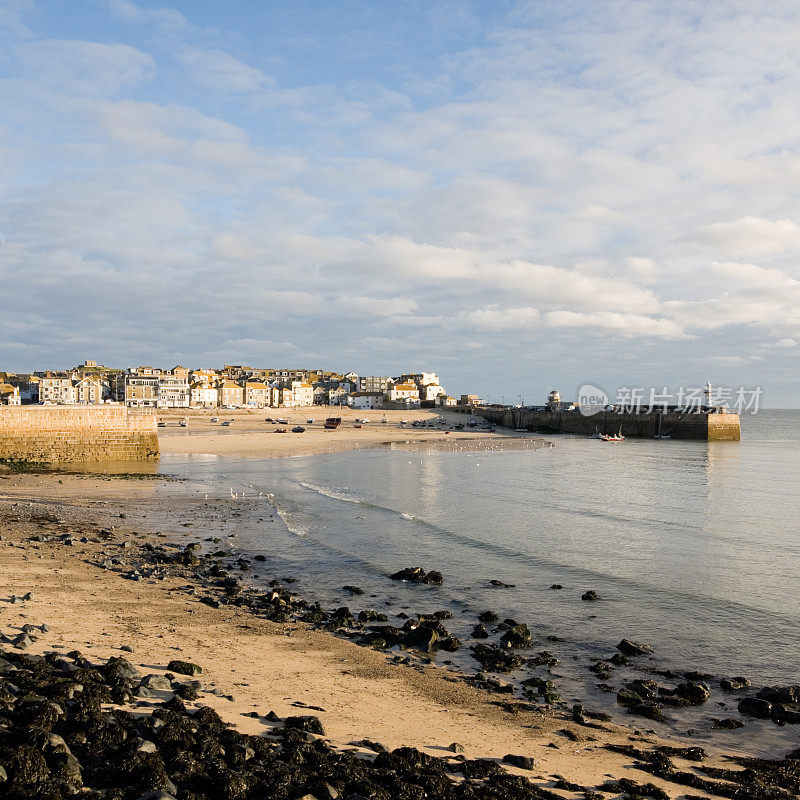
[704,427]
[63,435]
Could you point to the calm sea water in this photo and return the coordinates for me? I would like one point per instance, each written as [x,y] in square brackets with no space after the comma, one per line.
[693,547]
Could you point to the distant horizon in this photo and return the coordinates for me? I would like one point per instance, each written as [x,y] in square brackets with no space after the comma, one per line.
[521,193]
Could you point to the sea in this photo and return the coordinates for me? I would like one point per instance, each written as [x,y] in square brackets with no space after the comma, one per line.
[692,548]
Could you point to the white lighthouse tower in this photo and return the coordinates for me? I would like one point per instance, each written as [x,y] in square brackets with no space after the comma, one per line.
[707,394]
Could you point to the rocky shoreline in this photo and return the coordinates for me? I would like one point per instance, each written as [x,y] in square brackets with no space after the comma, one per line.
[58,739]
[215,578]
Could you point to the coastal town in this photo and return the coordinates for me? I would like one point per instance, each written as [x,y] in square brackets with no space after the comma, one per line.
[232,386]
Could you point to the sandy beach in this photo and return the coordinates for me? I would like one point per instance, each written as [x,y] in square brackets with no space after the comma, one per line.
[83,591]
[250,435]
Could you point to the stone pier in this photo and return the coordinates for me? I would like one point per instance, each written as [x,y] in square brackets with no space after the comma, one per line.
[711,427]
[70,435]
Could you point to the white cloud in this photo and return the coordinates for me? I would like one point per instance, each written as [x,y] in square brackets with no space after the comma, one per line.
[750,236]
[84,68]
[786,344]
[234,248]
[216,69]
[153,127]
[495,318]
[380,307]
[614,323]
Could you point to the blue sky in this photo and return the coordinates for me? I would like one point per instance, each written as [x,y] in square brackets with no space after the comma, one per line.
[515,194]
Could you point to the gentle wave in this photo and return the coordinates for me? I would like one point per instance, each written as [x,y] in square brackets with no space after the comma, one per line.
[338,494]
[345,497]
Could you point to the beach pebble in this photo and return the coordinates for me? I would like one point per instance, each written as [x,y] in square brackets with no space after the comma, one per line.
[456,747]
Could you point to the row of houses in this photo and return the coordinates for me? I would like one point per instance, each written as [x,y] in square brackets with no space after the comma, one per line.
[232,386]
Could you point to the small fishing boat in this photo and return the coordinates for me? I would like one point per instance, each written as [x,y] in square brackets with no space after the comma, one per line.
[609,437]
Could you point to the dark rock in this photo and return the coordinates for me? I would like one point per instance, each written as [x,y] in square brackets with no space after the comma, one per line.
[517,636]
[26,766]
[591,595]
[500,584]
[456,747]
[780,694]
[695,693]
[412,574]
[556,586]
[309,724]
[629,648]
[521,762]
[727,724]
[184,667]
[495,659]
[480,632]
[376,747]
[754,707]
[353,589]
[487,616]
[734,684]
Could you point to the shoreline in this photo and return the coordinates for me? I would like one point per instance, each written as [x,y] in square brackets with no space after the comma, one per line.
[96,610]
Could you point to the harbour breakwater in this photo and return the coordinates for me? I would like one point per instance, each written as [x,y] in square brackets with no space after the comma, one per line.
[703,426]
[63,435]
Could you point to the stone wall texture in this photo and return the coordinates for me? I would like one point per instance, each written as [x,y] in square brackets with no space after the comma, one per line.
[705,427]
[62,435]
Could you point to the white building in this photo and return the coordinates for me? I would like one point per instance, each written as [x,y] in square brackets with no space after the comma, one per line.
[404,393]
[90,390]
[204,394]
[56,390]
[367,400]
[302,394]
[173,391]
[430,391]
[257,393]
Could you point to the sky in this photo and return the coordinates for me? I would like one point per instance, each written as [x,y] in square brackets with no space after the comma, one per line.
[513,194]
